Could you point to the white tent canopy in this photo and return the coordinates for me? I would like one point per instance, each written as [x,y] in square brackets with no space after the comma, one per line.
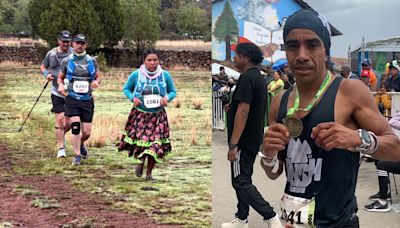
[229,71]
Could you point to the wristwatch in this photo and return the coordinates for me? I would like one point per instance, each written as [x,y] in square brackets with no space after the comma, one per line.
[232,146]
[365,141]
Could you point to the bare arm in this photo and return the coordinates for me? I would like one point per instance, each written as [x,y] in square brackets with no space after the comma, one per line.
[60,79]
[367,116]
[60,82]
[267,148]
[97,77]
[268,170]
[95,84]
[275,87]
[357,110]
[42,67]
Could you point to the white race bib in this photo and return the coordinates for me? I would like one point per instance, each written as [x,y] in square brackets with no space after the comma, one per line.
[152,101]
[297,211]
[81,86]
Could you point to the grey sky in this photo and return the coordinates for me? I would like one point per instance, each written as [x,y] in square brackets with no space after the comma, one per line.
[374,19]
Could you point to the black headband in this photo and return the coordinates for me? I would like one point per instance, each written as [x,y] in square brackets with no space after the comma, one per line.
[309,19]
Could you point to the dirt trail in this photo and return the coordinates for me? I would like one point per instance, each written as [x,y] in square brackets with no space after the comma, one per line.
[77,209]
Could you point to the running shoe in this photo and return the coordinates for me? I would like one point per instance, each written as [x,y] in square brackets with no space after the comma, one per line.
[61,153]
[377,206]
[274,222]
[77,160]
[236,223]
[377,196]
[84,152]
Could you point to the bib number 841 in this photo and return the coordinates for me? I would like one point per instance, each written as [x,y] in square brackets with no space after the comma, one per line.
[291,217]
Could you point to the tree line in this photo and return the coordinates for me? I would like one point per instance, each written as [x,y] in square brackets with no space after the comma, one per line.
[137,23]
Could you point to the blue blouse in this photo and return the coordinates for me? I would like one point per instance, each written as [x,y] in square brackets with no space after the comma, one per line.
[132,81]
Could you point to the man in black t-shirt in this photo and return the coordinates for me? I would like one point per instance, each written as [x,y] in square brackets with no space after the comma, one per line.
[245,132]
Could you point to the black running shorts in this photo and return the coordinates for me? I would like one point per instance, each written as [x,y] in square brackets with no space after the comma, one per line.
[83,109]
[58,104]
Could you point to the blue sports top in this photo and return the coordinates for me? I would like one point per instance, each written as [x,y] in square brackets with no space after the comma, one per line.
[138,85]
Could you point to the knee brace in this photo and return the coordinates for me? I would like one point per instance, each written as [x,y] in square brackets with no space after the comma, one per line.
[75,128]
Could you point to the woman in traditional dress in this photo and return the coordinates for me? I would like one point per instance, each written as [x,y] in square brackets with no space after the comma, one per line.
[146,134]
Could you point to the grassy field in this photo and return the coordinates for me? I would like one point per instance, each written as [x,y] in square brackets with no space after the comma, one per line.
[183,188]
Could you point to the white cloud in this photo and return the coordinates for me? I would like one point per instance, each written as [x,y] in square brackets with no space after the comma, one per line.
[374,19]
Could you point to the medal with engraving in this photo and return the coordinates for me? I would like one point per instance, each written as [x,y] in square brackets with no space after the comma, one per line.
[293,124]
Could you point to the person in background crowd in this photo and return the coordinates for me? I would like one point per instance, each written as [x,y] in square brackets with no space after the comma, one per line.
[383,100]
[395,121]
[380,199]
[266,72]
[346,72]
[374,77]
[287,77]
[276,85]
[365,77]
[222,75]
[393,82]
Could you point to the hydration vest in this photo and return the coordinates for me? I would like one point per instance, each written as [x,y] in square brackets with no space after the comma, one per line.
[144,88]
[71,78]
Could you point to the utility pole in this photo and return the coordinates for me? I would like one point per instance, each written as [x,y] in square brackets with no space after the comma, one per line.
[349,56]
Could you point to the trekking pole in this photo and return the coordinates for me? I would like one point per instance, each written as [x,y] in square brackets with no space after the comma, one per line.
[37,99]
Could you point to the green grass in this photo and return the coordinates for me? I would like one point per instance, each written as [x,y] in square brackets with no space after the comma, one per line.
[183,181]
[26,191]
[45,203]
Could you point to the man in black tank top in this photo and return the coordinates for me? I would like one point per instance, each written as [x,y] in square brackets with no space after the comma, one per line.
[245,133]
[317,130]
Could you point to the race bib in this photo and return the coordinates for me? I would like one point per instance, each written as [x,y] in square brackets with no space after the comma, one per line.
[81,86]
[297,211]
[152,101]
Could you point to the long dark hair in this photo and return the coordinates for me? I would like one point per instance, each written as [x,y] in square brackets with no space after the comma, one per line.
[148,52]
[251,51]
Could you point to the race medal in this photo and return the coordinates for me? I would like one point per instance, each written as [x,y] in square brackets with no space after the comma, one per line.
[80,86]
[152,101]
[294,126]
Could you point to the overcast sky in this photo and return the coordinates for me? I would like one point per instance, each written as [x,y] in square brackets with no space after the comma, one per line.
[374,19]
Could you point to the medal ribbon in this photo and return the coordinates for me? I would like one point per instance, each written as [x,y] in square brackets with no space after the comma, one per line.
[321,89]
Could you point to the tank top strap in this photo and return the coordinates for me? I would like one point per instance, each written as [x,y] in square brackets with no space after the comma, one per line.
[327,102]
[283,106]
